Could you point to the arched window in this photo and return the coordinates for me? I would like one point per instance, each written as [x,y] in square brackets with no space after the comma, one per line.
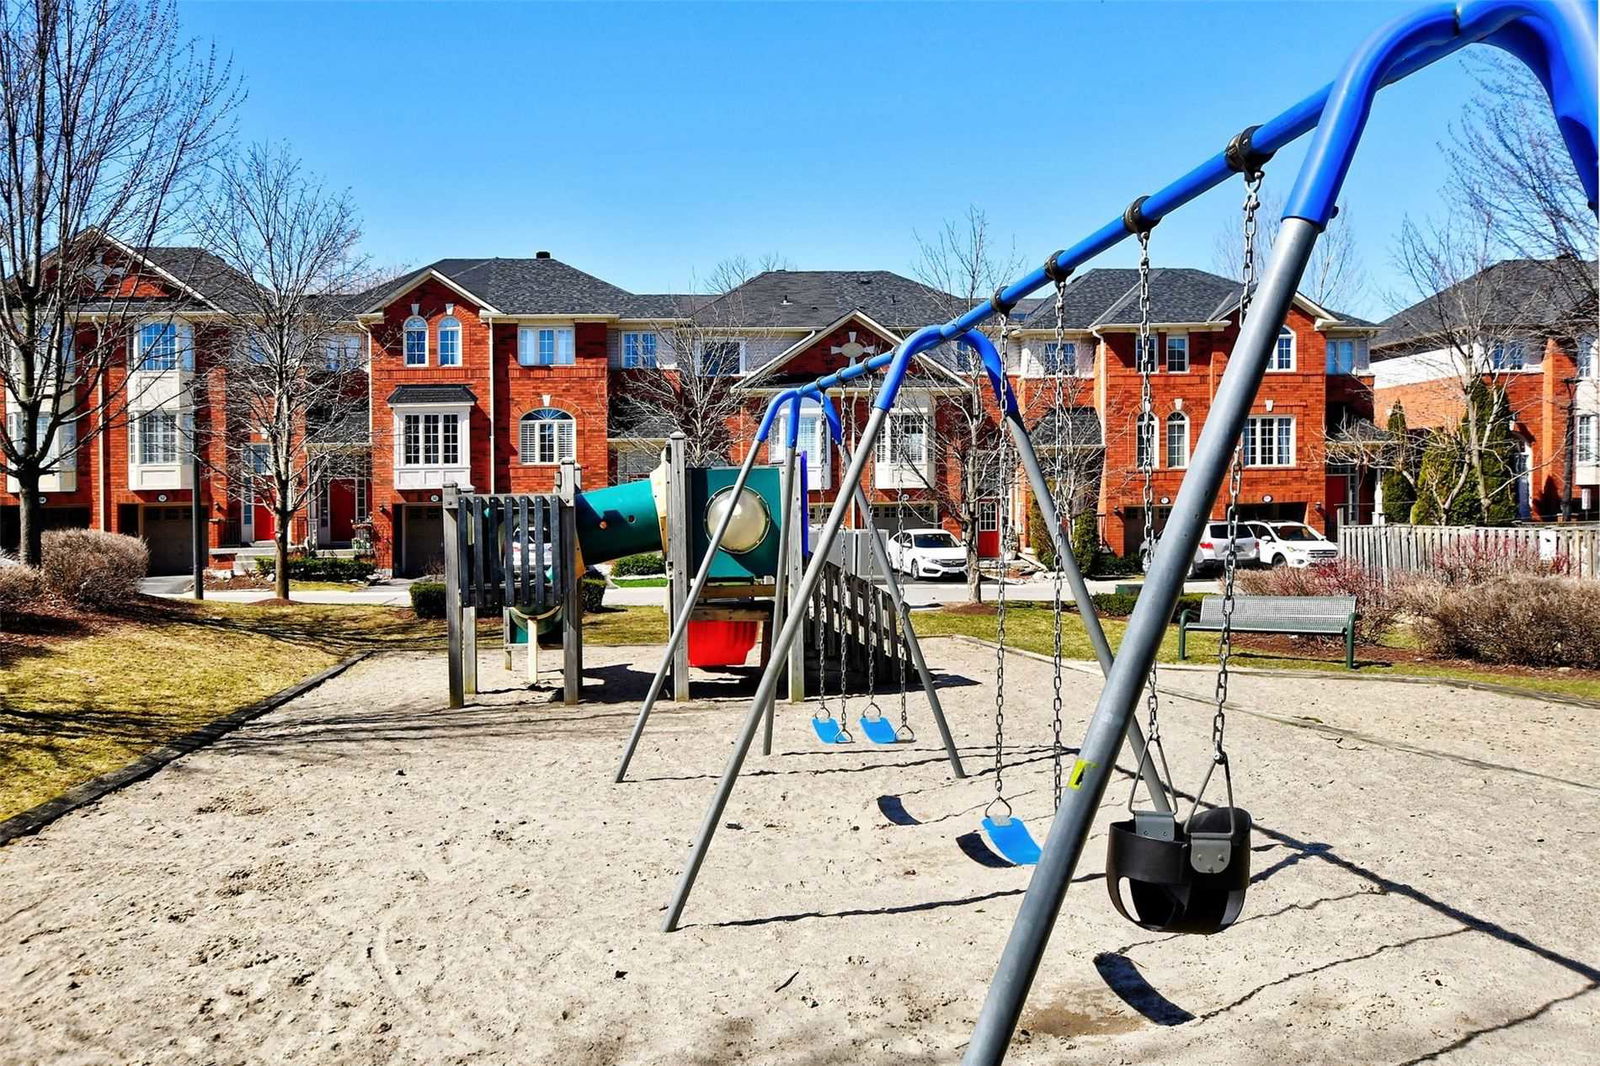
[1177,440]
[450,341]
[1146,437]
[1283,354]
[416,341]
[548,435]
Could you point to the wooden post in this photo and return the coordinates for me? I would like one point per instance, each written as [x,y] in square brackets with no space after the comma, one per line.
[452,593]
[572,593]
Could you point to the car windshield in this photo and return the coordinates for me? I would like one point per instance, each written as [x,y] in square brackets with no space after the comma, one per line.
[1296,532]
[1219,531]
[934,540]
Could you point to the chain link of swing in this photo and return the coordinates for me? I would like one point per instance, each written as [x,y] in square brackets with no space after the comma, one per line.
[1003,535]
[1144,453]
[1059,465]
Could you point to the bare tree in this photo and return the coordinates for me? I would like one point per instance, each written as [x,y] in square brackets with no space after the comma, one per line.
[107,115]
[1468,329]
[689,384]
[1335,278]
[962,263]
[1511,167]
[294,397]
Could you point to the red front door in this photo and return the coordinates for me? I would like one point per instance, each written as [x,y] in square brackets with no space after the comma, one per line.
[988,529]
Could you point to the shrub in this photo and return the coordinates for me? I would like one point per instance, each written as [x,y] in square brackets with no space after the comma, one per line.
[593,590]
[320,568]
[20,588]
[1039,539]
[427,599]
[645,564]
[1519,619]
[1480,558]
[93,568]
[1110,564]
[1377,604]
[1085,540]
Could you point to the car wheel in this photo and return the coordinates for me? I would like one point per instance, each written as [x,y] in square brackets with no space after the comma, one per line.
[1278,561]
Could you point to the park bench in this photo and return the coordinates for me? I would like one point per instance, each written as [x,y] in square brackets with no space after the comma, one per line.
[1296,615]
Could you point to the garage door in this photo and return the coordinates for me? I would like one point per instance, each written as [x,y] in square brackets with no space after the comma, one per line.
[424,541]
[167,530]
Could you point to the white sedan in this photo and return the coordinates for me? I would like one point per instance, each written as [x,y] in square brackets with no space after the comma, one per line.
[927,553]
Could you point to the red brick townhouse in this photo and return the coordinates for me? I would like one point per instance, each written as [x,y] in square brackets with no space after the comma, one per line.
[487,372]
[1317,380]
[1527,326]
[161,319]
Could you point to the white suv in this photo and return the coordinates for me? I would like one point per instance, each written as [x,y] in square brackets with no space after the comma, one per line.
[1292,544]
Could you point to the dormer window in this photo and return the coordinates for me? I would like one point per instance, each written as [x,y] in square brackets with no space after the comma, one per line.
[416,341]
[450,341]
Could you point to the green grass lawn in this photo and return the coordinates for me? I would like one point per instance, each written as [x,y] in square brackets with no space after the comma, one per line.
[79,706]
[1031,629]
[639,582]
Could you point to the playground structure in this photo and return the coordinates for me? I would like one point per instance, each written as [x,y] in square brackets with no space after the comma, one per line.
[1188,876]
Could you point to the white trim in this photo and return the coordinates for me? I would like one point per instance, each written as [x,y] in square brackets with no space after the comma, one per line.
[439,329]
[1166,346]
[131,254]
[1294,441]
[417,279]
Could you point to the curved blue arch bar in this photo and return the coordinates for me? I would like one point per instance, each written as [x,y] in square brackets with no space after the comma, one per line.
[994,368]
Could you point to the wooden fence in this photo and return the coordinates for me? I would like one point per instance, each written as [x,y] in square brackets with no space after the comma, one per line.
[1394,549]
[844,607]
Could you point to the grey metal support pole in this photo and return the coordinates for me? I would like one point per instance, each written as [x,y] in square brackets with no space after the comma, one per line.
[1080,595]
[572,594]
[677,556]
[769,677]
[452,593]
[680,625]
[880,558]
[794,548]
[1019,962]
[780,590]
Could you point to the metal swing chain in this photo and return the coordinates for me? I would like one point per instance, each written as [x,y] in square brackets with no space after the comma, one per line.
[822,654]
[1061,422]
[1144,356]
[902,646]
[1219,720]
[1003,529]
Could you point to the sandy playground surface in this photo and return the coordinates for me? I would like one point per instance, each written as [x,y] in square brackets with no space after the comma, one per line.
[366,877]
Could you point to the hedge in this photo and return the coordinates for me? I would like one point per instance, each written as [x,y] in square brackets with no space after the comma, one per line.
[645,564]
[427,599]
[320,568]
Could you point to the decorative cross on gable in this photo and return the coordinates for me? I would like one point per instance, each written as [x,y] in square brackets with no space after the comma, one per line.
[853,350]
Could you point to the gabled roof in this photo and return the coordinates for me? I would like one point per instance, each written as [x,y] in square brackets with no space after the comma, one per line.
[199,279]
[537,286]
[807,299]
[664,306]
[1529,294]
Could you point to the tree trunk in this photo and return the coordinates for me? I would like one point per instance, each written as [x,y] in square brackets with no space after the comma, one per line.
[31,516]
[974,577]
[280,552]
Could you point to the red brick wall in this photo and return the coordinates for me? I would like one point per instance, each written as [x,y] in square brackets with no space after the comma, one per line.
[583,390]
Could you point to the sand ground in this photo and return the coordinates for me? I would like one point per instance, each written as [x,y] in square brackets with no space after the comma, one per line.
[366,877]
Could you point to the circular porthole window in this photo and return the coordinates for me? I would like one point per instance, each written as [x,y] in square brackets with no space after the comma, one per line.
[750,522]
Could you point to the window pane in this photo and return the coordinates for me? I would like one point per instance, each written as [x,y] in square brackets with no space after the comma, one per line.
[1177,442]
[1178,354]
[450,426]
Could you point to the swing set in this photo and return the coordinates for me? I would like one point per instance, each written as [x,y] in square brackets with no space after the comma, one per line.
[1164,873]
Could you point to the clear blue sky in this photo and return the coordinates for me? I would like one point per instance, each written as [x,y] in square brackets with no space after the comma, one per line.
[643,142]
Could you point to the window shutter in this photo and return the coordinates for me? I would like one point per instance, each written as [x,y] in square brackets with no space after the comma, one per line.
[567,439]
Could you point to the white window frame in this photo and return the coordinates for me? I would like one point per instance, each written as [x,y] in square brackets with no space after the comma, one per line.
[811,441]
[1586,357]
[450,324]
[1493,350]
[343,352]
[1358,355]
[532,351]
[1586,439]
[1253,437]
[1050,361]
[1146,440]
[1182,339]
[700,355]
[182,346]
[447,432]
[1147,354]
[415,324]
[1278,350]
[542,448]
[143,424]
[639,358]
[1177,418]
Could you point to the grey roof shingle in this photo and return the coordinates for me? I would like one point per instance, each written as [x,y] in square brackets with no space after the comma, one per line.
[431,394]
[202,272]
[810,299]
[1531,294]
[1109,296]
[665,306]
[522,286]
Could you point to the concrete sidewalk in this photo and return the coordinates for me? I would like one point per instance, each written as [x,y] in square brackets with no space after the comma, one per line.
[393,593]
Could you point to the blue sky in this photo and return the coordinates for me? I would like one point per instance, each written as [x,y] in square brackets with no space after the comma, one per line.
[643,142]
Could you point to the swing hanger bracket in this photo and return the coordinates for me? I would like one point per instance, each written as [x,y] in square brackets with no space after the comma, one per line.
[1242,155]
[1001,305]
[1053,268]
[1134,220]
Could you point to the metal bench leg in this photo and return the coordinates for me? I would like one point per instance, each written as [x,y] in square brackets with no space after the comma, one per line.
[1183,638]
[1350,646]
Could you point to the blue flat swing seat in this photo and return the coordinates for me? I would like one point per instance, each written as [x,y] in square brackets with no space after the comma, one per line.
[830,730]
[879,729]
[1012,840]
